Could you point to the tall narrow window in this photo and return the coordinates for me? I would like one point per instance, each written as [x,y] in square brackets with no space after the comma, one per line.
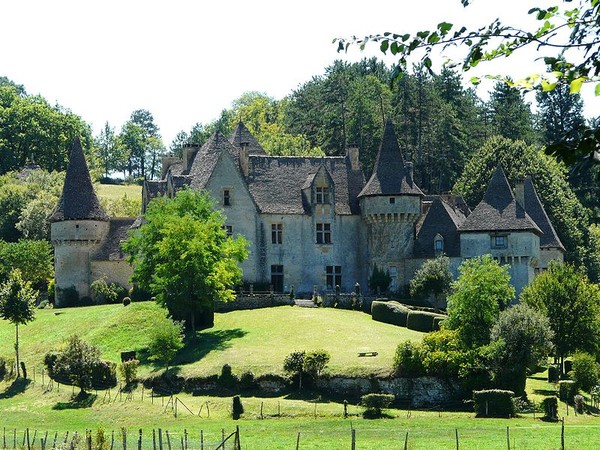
[394,277]
[438,244]
[226,197]
[334,276]
[323,195]
[277,277]
[323,233]
[277,233]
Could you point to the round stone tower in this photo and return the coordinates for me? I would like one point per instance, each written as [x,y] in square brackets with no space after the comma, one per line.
[78,224]
[390,205]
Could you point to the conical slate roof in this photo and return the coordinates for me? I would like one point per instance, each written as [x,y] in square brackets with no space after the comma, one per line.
[241,135]
[499,211]
[78,200]
[536,211]
[390,176]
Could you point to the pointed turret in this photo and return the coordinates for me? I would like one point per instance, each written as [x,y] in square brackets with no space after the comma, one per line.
[390,174]
[78,200]
[242,137]
[536,211]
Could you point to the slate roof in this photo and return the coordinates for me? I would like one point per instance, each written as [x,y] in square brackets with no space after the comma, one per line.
[180,181]
[444,219]
[499,211]
[78,200]
[207,157]
[390,176]
[536,211]
[241,134]
[276,182]
[110,247]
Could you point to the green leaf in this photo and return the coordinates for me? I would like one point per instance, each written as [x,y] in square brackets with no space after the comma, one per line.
[475,80]
[597,90]
[576,84]
[547,86]
[384,46]
[444,27]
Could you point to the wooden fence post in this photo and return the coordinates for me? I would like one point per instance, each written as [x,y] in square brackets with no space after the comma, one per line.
[562,434]
[140,440]
[168,439]
[153,439]
[160,446]
[223,437]
[406,441]
[508,438]
[298,441]
[201,440]
[353,439]
[456,432]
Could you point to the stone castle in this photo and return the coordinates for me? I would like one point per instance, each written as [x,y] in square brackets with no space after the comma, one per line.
[313,223]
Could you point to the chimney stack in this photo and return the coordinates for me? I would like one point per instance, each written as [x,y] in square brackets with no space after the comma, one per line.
[244,158]
[353,154]
[520,192]
[409,169]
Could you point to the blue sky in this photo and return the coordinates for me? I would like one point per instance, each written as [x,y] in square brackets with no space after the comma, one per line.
[185,61]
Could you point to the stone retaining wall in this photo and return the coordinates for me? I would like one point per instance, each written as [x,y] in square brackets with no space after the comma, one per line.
[254,302]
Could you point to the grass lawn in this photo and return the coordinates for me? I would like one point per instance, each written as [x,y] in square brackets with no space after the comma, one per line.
[44,410]
[256,340]
[116,191]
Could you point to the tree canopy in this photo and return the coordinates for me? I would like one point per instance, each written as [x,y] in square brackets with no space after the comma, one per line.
[481,291]
[572,305]
[183,256]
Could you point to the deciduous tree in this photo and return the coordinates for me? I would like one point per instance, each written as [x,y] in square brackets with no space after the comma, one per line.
[17,305]
[183,256]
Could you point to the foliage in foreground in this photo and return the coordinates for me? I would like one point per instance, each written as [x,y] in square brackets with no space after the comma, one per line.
[166,339]
[183,256]
[433,279]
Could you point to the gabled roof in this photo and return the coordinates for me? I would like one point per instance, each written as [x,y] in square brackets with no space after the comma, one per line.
[110,247]
[155,188]
[390,176]
[276,182]
[443,219]
[207,157]
[536,211]
[78,200]
[241,135]
[499,211]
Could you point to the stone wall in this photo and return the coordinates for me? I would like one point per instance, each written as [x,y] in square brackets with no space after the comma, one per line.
[254,302]
[419,392]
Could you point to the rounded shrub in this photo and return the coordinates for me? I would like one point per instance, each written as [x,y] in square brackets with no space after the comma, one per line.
[126,301]
[374,403]
[553,373]
[247,381]
[566,390]
[494,403]
[585,372]
[550,407]
[408,360]
[421,320]
[389,312]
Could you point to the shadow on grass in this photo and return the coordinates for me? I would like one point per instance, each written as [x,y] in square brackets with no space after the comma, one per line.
[81,400]
[17,387]
[545,392]
[206,342]
[374,414]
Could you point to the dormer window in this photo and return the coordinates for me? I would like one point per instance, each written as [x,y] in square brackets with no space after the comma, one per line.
[438,244]
[323,195]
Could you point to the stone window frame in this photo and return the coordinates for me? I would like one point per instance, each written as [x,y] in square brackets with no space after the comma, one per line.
[499,241]
[333,276]
[323,195]
[277,233]
[323,233]
[438,244]
[227,196]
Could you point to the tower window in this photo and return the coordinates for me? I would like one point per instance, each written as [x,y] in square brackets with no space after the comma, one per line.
[334,276]
[276,233]
[392,200]
[438,244]
[323,233]
[323,196]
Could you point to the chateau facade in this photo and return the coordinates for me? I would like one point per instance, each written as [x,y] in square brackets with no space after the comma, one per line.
[313,223]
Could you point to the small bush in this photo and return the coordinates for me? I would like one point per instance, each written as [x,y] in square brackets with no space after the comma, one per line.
[389,312]
[494,403]
[104,374]
[585,371]
[553,373]
[579,403]
[421,321]
[126,301]
[237,408]
[374,403]
[408,360]
[227,379]
[550,407]
[247,381]
[3,368]
[128,370]
[137,294]
[107,292]
[315,362]
[566,390]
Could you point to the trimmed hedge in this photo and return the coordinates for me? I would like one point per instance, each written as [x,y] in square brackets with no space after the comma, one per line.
[389,312]
[566,390]
[374,403]
[553,373]
[550,406]
[437,321]
[494,403]
[422,320]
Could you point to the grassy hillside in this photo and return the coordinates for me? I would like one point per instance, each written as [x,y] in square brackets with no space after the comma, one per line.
[256,340]
[117,191]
